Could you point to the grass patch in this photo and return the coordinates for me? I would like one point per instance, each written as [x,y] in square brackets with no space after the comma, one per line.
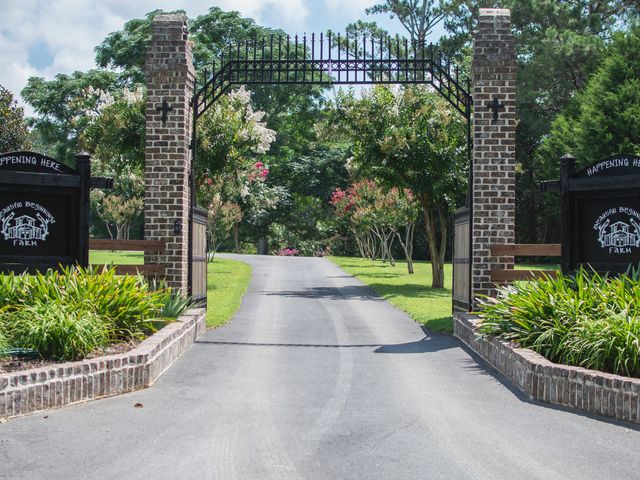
[537,266]
[98,257]
[227,282]
[410,293]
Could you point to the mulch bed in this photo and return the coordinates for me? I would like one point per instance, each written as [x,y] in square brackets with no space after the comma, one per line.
[15,364]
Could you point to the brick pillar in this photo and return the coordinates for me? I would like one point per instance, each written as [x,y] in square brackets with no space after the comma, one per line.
[493,77]
[170,77]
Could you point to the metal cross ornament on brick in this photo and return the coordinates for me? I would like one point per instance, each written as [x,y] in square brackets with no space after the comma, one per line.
[496,106]
[165,109]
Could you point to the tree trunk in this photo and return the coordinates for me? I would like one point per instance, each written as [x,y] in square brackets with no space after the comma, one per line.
[236,240]
[262,246]
[437,257]
[407,245]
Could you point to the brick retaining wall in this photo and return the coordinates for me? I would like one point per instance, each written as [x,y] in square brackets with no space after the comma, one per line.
[589,390]
[45,388]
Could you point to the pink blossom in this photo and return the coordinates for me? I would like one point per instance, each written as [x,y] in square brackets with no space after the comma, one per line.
[259,165]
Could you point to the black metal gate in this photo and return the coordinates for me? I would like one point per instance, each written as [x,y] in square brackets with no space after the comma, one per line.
[462,261]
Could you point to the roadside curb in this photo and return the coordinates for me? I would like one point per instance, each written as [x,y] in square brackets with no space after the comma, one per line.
[46,388]
[576,387]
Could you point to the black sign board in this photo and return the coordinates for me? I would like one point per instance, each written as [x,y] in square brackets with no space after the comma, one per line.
[44,211]
[600,207]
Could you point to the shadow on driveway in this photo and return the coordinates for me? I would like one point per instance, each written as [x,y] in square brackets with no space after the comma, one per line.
[424,345]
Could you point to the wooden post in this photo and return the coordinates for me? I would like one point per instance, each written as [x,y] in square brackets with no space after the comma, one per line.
[83,167]
[567,170]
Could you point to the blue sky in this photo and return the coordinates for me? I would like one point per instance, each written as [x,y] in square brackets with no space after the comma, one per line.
[47,37]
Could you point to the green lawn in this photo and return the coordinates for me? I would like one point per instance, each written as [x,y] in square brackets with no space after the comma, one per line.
[227,282]
[410,293]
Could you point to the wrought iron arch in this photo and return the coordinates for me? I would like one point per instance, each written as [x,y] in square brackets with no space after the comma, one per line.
[333,60]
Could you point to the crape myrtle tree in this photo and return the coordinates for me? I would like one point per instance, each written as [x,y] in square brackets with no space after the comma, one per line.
[408,137]
[232,136]
[376,217]
[113,132]
[61,106]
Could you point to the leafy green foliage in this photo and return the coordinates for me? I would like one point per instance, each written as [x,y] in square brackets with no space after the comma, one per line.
[585,320]
[57,331]
[604,118]
[61,105]
[14,134]
[115,134]
[559,45]
[4,341]
[126,49]
[418,17]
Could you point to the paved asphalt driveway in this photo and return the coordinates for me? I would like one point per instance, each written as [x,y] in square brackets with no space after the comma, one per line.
[317,378]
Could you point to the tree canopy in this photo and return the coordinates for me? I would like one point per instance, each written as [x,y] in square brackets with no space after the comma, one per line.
[14,134]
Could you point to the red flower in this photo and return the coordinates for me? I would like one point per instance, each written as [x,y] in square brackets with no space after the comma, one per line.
[259,165]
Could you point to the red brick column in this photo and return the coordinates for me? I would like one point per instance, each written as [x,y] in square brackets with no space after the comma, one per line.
[493,78]
[170,77]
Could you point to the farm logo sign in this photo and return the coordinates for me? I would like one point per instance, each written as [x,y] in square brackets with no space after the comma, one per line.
[24,224]
[618,236]
[600,212]
[44,211]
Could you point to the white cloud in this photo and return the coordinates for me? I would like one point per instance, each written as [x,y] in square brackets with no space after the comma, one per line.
[350,7]
[70,29]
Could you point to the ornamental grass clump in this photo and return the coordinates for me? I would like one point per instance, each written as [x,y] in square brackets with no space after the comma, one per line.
[57,331]
[587,319]
[68,313]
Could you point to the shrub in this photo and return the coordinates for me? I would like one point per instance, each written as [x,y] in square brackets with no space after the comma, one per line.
[586,320]
[288,252]
[57,331]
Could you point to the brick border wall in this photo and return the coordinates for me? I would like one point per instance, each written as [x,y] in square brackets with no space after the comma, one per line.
[46,388]
[589,390]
